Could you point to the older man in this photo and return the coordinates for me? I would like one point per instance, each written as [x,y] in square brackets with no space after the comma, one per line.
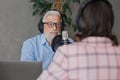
[38,48]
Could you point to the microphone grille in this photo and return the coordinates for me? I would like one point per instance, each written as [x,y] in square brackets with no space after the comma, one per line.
[64,35]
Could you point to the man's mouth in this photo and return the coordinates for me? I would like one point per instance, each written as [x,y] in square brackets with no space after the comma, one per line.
[54,32]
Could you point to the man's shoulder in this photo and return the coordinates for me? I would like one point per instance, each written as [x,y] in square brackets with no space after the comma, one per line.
[70,40]
[33,39]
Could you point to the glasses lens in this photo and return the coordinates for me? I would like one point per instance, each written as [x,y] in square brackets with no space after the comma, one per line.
[50,24]
[58,24]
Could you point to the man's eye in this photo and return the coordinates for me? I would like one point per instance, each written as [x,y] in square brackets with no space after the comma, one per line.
[50,24]
[58,24]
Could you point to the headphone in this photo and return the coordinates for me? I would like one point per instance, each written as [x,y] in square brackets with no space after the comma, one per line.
[56,42]
[81,9]
[41,24]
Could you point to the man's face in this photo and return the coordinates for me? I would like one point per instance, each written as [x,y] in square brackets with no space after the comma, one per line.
[51,27]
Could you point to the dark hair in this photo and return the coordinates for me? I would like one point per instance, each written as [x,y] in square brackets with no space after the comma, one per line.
[77,35]
[41,25]
[96,18]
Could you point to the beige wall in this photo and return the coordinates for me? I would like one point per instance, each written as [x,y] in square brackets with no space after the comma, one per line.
[17,24]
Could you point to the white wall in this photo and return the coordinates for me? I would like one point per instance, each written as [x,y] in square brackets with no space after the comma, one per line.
[17,24]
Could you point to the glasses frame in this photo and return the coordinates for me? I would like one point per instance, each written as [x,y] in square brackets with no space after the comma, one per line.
[51,24]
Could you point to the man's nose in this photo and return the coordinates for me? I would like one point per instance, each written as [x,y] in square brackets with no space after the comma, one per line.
[54,27]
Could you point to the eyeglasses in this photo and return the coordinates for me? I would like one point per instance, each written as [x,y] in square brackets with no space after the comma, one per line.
[51,24]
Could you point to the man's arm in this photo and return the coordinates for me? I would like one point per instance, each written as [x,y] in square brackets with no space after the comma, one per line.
[27,52]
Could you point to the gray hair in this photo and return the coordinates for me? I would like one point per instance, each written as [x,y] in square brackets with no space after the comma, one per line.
[52,12]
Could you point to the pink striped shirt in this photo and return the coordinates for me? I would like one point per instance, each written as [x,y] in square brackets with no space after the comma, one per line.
[94,58]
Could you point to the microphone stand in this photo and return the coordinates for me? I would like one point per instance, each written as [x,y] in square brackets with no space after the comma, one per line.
[65,42]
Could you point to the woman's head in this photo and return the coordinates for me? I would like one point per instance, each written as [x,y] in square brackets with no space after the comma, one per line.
[96,18]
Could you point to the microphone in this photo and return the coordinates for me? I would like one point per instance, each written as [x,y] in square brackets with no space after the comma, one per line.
[60,40]
[65,37]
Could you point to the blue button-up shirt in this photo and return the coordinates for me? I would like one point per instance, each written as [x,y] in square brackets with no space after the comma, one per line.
[37,49]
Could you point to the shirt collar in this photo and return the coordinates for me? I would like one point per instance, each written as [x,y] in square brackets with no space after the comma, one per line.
[43,39]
